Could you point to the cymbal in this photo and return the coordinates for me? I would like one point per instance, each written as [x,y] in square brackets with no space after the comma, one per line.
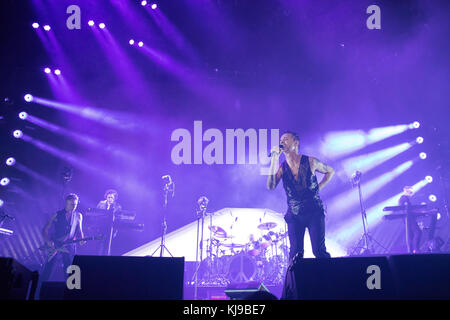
[267,225]
[218,231]
[232,245]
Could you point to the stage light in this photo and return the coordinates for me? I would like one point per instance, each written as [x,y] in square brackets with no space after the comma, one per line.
[58,72]
[432,198]
[438,216]
[47,27]
[419,140]
[10,161]
[35,25]
[4,182]
[143,3]
[1,203]
[28,98]
[423,155]
[18,134]
[154,6]
[91,23]
[429,179]
[23,115]
[102,25]
[131,42]
[47,70]
[140,44]
[414,125]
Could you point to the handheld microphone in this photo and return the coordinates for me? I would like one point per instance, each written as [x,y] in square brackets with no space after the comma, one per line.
[271,154]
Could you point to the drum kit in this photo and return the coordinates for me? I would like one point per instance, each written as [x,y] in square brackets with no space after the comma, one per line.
[263,259]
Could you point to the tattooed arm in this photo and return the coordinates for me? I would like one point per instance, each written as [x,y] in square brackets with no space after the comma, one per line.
[317,165]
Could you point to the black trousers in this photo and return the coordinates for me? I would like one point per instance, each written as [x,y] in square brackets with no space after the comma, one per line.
[414,235]
[297,224]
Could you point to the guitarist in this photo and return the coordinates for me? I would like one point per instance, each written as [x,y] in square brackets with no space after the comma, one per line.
[64,225]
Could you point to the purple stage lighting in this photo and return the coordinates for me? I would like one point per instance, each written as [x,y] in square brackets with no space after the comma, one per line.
[143,3]
[10,161]
[47,70]
[429,179]
[35,25]
[423,155]
[28,98]
[18,134]
[23,115]
[419,140]
[140,44]
[58,72]
[91,23]
[47,27]
[432,198]
[102,25]
[4,182]
[154,6]
[131,42]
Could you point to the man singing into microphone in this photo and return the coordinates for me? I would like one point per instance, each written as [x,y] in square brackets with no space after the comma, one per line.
[305,208]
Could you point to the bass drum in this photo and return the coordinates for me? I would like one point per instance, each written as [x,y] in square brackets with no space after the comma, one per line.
[241,268]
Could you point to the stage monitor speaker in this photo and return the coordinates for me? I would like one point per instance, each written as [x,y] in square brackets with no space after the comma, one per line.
[16,281]
[348,278]
[249,290]
[421,276]
[128,278]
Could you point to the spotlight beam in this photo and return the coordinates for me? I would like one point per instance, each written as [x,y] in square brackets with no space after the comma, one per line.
[369,161]
[339,144]
[343,202]
[348,231]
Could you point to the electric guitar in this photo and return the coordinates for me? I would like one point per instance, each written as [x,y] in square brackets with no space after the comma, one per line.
[58,246]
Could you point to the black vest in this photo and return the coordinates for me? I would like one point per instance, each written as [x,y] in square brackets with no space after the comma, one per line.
[302,195]
[61,227]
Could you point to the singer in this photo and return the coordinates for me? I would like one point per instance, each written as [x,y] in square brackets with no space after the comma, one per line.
[305,208]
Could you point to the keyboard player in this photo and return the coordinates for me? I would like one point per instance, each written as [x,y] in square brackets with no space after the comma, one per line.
[413,231]
[105,224]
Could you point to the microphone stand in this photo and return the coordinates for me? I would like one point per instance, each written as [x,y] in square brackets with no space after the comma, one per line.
[168,187]
[366,248]
[201,211]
